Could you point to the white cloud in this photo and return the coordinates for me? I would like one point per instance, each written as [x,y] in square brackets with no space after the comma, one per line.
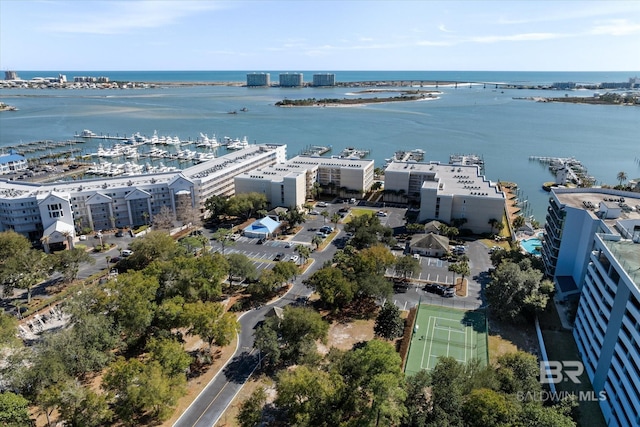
[120,17]
[616,27]
[442,28]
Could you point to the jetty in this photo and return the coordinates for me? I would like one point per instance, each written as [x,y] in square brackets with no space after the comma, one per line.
[566,170]
[315,150]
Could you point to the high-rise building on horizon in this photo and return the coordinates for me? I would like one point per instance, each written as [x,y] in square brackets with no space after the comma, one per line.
[258,79]
[291,79]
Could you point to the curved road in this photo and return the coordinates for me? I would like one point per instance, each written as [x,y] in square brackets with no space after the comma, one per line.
[211,403]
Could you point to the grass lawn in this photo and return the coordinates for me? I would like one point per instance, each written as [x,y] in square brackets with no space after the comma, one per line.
[354,212]
[561,346]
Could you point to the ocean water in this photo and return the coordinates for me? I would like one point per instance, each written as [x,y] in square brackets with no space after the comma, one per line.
[486,121]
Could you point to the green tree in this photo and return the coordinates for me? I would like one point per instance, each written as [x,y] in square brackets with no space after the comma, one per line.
[518,222]
[8,330]
[306,395]
[462,268]
[518,372]
[447,392]
[417,402]
[142,389]
[304,252]
[211,323]
[82,407]
[246,204]
[153,246]
[223,236]
[68,262]
[241,266]
[14,410]
[11,244]
[374,383]
[333,288]
[299,329]
[317,240]
[293,217]
[215,206]
[407,266]
[487,408]
[133,303]
[250,413]
[374,260]
[515,289]
[325,215]
[27,269]
[389,325]
[172,357]
[267,284]
[285,271]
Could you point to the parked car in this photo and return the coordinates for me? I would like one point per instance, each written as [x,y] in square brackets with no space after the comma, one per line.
[321,205]
[115,259]
[314,213]
[261,241]
[434,288]
[326,229]
[83,237]
[119,233]
[279,256]
[294,258]
[381,213]
[126,252]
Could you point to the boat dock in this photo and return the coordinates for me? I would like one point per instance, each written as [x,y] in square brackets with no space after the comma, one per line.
[576,171]
[353,153]
[315,150]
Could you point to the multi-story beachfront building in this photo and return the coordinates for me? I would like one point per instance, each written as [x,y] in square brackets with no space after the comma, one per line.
[607,325]
[125,200]
[324,79]
[258,79]
[574,216]
[592,250]
[291,80]
[446,193]
[291,183]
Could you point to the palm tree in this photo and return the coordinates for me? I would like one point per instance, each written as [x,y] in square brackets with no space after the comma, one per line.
[316,240]
[304,252]
[622,176]
[325,215]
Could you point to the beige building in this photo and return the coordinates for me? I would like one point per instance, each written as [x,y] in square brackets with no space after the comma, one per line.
[447,192]
[291,183]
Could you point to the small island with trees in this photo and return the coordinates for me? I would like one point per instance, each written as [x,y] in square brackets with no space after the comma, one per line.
[405,95]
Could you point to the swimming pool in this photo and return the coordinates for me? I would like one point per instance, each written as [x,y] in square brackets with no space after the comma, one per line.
[532,245]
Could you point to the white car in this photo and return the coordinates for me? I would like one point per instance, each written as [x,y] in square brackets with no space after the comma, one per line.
[321,205]
[381,213]
[83,237]
[126,252]
[294,258]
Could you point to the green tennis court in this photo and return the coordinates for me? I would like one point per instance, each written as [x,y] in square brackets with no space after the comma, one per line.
[440,331]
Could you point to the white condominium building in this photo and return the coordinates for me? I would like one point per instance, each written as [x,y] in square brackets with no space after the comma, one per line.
[607,325]
[591,249]
[447,192]
[290,184]
[52,209]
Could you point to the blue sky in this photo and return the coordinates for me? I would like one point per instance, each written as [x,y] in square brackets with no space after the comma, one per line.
[320,35]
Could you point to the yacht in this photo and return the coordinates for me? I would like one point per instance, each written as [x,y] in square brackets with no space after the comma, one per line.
[237,144]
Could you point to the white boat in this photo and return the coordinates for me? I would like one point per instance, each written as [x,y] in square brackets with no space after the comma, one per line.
[237,144]
[86,133]
[205,142]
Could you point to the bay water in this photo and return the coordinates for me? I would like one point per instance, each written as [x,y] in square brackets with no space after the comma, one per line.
[496,124]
